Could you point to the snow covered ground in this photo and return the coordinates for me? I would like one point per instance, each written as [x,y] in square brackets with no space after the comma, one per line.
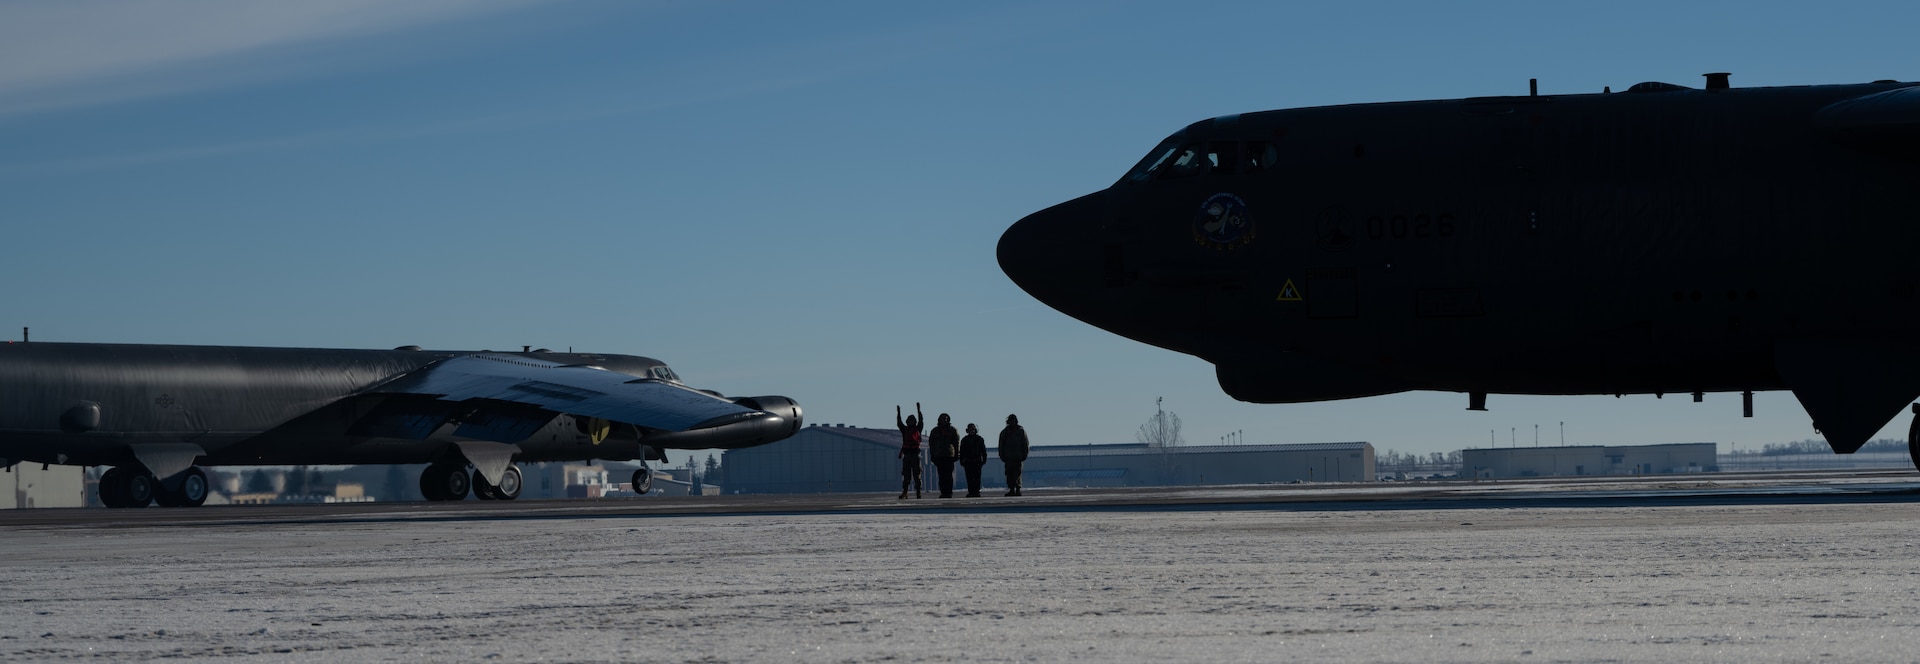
[1722,582]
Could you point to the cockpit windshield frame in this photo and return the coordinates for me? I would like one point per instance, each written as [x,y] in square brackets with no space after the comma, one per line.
[1143,171]
[1181,156]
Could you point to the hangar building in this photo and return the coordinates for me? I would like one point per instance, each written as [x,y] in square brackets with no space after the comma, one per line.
[843,459]
[818,459]
[1590,460]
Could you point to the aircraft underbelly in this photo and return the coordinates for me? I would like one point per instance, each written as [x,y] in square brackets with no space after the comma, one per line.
[43,446]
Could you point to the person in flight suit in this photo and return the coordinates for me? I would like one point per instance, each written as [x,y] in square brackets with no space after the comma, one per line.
[910,448]
[1013,452]
[946,449]
[973,455]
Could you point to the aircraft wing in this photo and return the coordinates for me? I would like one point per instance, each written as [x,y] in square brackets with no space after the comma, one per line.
[577,390]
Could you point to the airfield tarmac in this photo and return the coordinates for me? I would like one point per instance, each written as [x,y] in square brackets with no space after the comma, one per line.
[1720,567]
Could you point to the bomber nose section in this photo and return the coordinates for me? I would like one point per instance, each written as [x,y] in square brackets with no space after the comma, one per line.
[1054,254]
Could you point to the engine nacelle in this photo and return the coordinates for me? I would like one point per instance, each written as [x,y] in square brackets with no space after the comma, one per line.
[787,409]
[780,418]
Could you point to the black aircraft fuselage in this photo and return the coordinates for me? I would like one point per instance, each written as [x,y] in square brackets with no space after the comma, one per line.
[1658,240]
[158,411]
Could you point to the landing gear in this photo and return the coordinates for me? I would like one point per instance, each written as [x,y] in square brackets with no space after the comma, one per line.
[123,486]
[482,489]
[192,491]
[642,479]
[451,481]
[509,486]
[508,489]
[109,488]
[444,481]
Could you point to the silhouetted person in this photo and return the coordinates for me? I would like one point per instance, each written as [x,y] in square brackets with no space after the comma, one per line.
[909,449]
[1013,452]
[973,455]
[946,449]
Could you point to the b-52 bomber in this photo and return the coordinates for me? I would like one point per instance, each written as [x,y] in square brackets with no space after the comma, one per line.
[1661,239]
[155,414]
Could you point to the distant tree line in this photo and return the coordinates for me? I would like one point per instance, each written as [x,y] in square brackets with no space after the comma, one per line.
[1821,447]
[712,472]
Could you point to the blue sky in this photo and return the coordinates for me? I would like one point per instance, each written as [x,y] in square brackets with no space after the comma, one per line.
[776,198]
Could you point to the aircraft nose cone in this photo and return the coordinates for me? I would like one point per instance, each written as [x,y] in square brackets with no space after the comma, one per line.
[1051,254]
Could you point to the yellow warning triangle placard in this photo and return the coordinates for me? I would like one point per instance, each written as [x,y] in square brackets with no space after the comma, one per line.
[1289,293]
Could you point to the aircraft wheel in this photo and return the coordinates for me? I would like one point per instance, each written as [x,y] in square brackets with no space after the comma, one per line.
[110,488]
[428,486]
[642,480]
[444,481]
[482,489]
[192,493]
[138,487]
[510,484]
[454,482]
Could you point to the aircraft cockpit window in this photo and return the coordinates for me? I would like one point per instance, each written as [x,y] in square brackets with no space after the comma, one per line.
[1188,161]
[1224,155]
[1260,156]
[1173,161]
[1154,160]
[663,373]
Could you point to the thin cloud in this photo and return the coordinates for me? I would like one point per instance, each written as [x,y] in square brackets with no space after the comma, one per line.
[726,76]
[365,134]
[58,54]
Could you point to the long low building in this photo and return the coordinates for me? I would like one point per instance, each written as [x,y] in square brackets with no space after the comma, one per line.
[1142,465]
[841,459]
[30,485]
[1580,460]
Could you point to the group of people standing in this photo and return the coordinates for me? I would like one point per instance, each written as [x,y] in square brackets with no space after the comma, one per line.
[948,447]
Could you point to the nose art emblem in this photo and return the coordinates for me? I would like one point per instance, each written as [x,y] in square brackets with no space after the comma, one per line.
[1222,222]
